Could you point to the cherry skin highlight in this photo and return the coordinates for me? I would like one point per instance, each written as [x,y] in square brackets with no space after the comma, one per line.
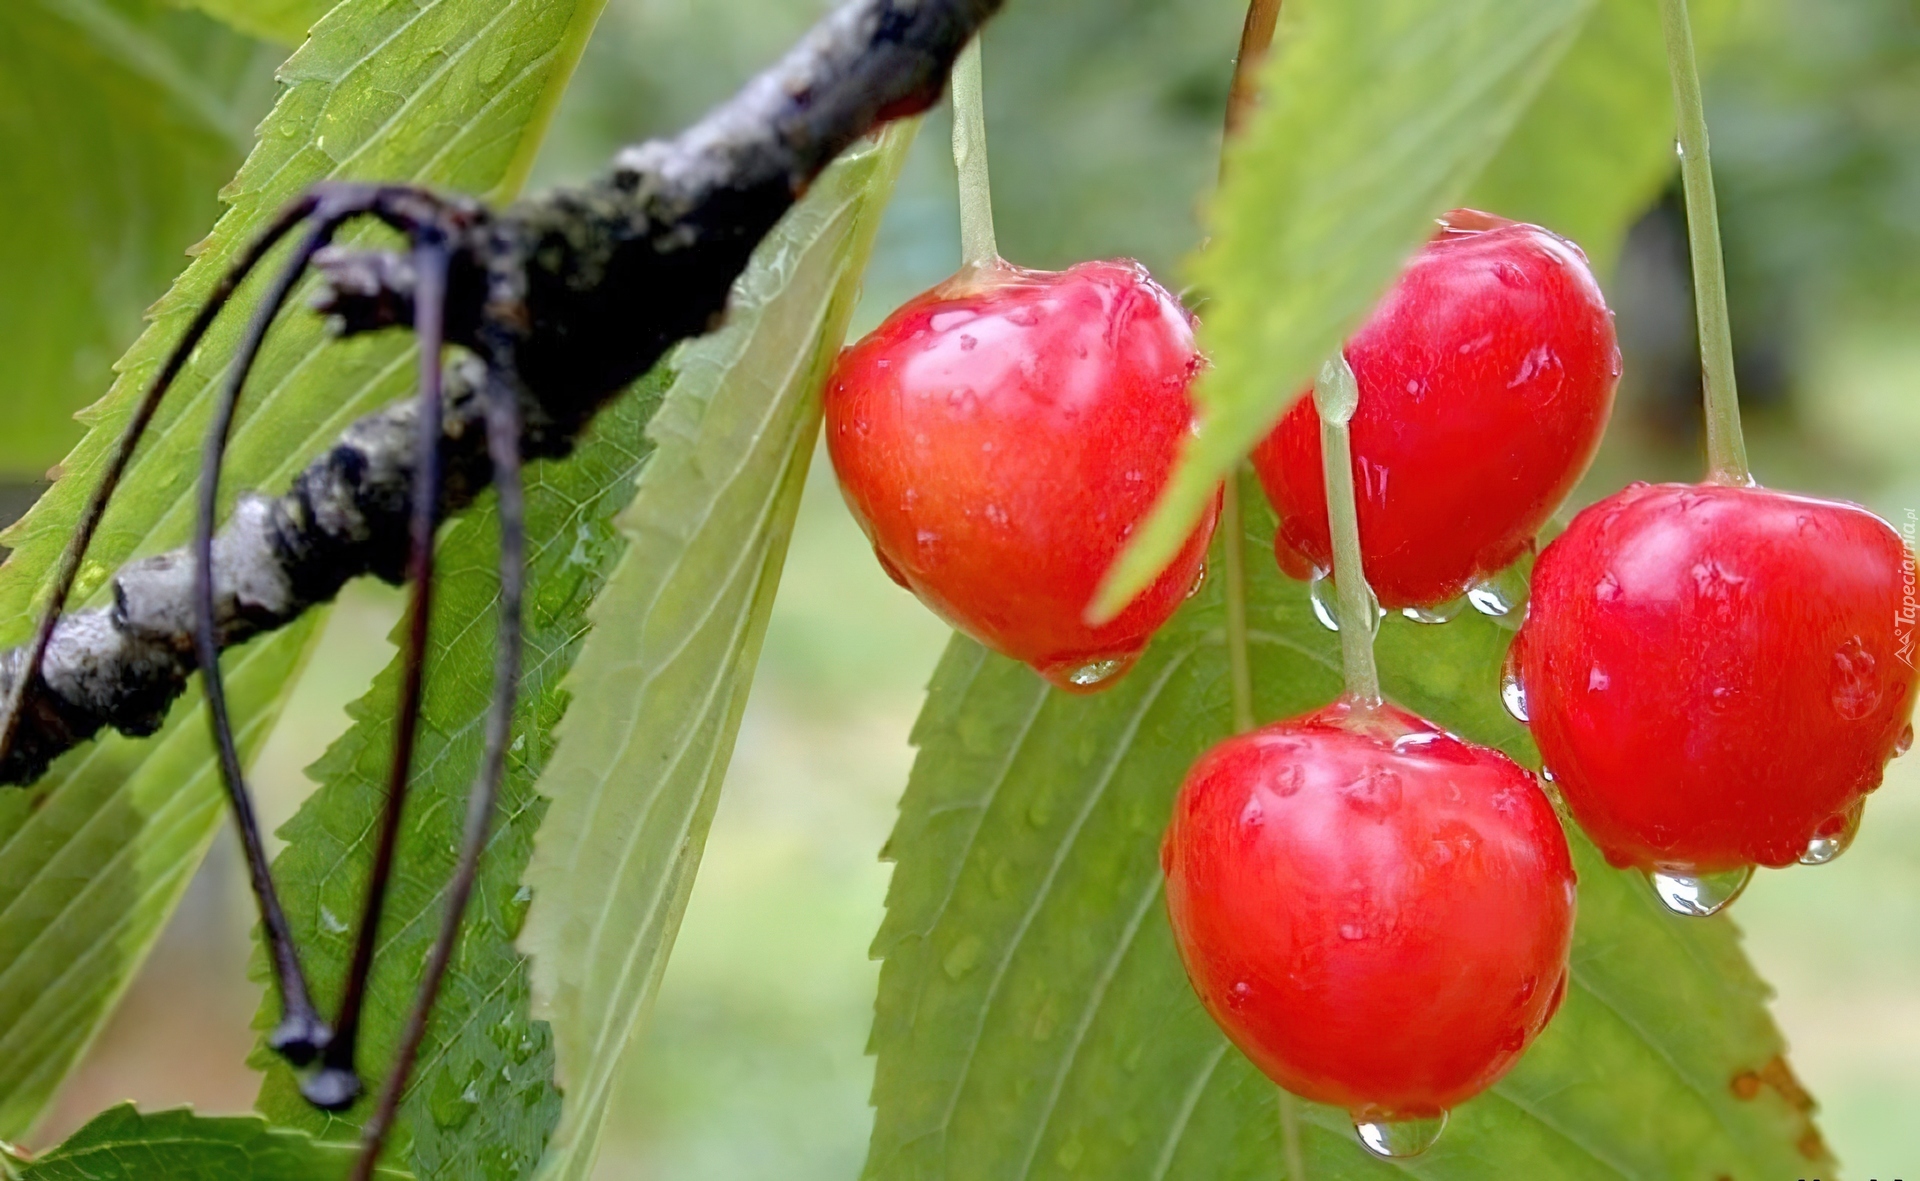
[1375,911]
[1716,674]
[1000,437]
[1486,378]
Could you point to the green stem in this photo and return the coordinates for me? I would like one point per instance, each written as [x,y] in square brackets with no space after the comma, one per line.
[1234,551]
[1290,1136]
[1726,446]
[977,245]
[1337,395]
[1256,39]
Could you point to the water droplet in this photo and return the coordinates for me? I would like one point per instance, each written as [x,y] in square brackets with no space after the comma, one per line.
[1856,691]
[331,923]
[452,1103]
[964,955]
[1904,743]
[1607,590]
[1597,680]
[1438,613]
[1199,580]
[1398,1139]
[1698,895]
[513,916]
[1241,994]
[1502,595]
[1254,814]
[1488,599]
[1324,595]
[1834,836]
[1094,672]
[1376,792]
[1352,932]
[1513,692]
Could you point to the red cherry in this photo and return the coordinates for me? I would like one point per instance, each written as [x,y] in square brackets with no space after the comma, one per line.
[1000,437]
[1716,674]
[1486,378]
[1377,912]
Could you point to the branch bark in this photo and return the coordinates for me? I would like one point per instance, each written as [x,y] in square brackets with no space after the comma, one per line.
[600,281]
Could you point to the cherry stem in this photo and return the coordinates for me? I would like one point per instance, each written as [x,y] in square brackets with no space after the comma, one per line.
[1336,395]
[1234,553]
[1256,39]
[1726,445]
[977,244]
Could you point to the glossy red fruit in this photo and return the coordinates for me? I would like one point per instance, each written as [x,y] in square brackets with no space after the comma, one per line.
[1486,378]
[1000,437]
[1717,675]
[1377,912]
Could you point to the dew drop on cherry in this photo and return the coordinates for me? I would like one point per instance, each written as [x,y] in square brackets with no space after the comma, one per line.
[1834,836]
[1698,895]
[1095,672]
[1445,612]
[1324,594]
[1199,581]
[1904,743]
[1398,1139]
[1856,688]
[1513,692]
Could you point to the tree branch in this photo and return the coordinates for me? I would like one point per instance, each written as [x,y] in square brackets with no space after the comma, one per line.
[593,284]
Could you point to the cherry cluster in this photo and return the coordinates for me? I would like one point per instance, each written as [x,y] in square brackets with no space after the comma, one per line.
[1376,911]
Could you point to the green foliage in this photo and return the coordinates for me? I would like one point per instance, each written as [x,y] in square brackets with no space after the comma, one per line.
[1596,147]
[660,686]
[284,21]
[482,1102]
[1817,153]
[122,1144]
[93,859]
[119,119]
[1376,119]
[1034,1020]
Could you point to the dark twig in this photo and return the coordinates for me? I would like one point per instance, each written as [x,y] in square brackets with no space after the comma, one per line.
[503,438]
[337,1084]
[301,1034]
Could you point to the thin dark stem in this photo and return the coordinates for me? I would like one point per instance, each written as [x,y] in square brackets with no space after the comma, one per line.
[503,445]
[301,1034]
[337,1084]
[1256,38]
[143,412]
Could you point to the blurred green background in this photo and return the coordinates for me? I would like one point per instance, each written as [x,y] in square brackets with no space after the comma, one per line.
[1104,117]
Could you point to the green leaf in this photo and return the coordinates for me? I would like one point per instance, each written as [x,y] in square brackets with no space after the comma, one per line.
[94,858]
[664,676]
[1377,118]
[122,1144]
[1034,1020]
[1596,147]
[284,21]
[482,1101]
[118,122]
[455,95]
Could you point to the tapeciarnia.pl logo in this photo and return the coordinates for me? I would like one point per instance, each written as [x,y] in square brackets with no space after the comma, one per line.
[1903,621]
